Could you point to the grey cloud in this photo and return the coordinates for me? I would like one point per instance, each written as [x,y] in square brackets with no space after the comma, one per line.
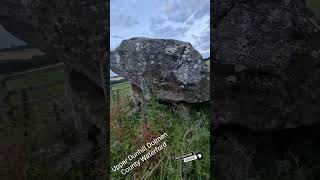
[179,16]
[157,20]
[116,36]
[157,28]
[204,10]
[190,22]
[180,11]
[123,20]
[204,46]
[202,42]
[170,32]
[205,54]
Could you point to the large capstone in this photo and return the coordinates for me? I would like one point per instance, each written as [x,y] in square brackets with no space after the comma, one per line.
[163,69]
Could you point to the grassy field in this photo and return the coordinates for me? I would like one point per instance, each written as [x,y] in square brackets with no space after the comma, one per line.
[30,96]
[34,85]
[116,78]
[120,86]
[131,127]
[34,115]
[120,89]
[37,77]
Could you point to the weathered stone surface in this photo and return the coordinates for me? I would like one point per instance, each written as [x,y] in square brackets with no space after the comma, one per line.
[75,33]
[262,35]
[266,90]
[167,70]
[265,74]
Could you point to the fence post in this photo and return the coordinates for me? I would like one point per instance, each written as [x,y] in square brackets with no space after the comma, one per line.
[118,97]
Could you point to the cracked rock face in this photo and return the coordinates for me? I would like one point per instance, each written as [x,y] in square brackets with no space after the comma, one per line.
[266,73]
[263,35]
[167,70]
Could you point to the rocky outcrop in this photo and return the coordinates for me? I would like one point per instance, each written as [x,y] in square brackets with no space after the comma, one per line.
[267,67]
[266,91]
[167,70]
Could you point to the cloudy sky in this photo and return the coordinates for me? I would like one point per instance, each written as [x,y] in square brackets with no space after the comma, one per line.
[186,20]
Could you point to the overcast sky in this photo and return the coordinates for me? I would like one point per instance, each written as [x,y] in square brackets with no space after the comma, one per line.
[185,20]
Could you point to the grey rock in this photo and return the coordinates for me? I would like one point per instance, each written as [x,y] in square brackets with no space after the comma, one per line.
[163,69]
[183,110]
[265,73]
[261,34]
[315,54]
[73,32]
[239,68]
[231,79]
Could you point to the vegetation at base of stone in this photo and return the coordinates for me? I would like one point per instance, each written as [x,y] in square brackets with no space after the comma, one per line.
[132,127]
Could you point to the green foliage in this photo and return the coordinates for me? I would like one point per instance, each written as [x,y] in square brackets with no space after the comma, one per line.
[129,131]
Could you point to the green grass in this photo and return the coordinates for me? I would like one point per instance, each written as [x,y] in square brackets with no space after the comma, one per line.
[47,134]
[119,86]
[36,78]
[116,78]
[45,83]
[120,89]
[33,125]
[129,131]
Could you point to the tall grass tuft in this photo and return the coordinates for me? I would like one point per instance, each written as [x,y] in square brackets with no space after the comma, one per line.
[132,128]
